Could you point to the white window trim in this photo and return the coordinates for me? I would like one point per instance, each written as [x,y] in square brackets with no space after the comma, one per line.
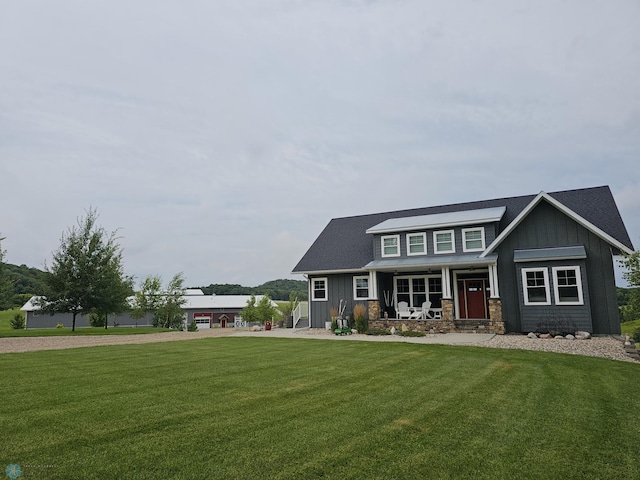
[435,242]
[383,238]
[424,243]
[556,290]
[326,289]
[464,239]
[355,290]
[525,291]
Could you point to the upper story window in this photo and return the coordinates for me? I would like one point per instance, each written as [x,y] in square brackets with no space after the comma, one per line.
[444,242]
[391,246]
[319,289]
[535,282]
[416,243]
[361,287]
[567,285]
[473,239]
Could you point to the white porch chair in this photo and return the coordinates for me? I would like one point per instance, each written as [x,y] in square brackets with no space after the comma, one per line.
[423,313]
[403,310]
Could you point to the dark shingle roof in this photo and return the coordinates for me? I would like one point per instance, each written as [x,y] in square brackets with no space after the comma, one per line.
[345,245]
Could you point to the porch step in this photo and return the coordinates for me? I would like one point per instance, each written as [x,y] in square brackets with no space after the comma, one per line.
[475,325]
[302,323]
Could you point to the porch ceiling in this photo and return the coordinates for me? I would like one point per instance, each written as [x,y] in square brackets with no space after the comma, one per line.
[439,261]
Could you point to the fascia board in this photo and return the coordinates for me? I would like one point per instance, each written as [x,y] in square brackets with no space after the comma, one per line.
[564,209]
[330,272]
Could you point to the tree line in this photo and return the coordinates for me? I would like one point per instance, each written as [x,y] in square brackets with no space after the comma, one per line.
[86,277]
[280,289]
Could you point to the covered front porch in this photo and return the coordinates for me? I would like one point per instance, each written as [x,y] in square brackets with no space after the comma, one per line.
[439,295]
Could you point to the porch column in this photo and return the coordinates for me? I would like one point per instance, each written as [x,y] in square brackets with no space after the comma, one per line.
[446,283]
[373,285]
[448,312]
[493,281]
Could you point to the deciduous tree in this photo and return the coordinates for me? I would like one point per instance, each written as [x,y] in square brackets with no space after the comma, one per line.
[86,274]
[6,285]
[164,305]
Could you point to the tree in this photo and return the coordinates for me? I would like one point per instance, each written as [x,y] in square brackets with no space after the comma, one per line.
[249,313]
[165,306]
[86,274]
[631,262]
[6,285]
[265,309]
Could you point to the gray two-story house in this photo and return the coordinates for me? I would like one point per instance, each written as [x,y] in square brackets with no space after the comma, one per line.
[535,262]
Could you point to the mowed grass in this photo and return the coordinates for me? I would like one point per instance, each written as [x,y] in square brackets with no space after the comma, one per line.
[7,331]
[628,328]
[289,408]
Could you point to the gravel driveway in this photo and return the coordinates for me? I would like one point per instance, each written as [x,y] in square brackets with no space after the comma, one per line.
[31,344]
[604,347]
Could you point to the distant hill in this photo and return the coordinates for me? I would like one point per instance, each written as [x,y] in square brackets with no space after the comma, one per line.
[25,279]
[277,289]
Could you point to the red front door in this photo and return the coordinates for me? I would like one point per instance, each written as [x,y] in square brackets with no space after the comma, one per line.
[472,298]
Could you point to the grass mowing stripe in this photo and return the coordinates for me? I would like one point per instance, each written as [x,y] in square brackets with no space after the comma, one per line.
[280,408]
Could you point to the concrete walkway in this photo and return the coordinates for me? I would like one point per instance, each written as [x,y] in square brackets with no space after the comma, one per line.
[437,338]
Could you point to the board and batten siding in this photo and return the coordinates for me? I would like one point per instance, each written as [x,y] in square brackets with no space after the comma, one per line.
[547,227]
[535,316]
[339,287]
[489,235]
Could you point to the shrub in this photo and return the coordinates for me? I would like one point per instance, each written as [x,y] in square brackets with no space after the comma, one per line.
[360,317]
[411,333]
[334,325]
[636,335]
[18,321]
[378,332]
[96,319]
[193,326]
[59,325]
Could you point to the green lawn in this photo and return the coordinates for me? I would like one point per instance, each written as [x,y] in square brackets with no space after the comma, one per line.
[282,408]
[6,331]
[629,327]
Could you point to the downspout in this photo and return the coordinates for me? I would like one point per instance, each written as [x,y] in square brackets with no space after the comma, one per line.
[308,298]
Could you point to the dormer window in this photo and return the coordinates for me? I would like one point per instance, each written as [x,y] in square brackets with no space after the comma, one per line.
[444,242]
[473,239]
[416,243]
[391,246]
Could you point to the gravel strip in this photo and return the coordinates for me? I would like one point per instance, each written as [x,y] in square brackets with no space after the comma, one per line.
[599,346]
[604,347]
[32,344]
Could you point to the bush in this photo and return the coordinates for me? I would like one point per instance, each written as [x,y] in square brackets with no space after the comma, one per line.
[193,326]
[18,321]
[636,335]
[378,332]
[59,325]
[411,333]
[334,325]
[96,319]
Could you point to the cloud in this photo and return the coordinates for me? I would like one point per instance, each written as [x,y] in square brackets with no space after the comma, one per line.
[222,137]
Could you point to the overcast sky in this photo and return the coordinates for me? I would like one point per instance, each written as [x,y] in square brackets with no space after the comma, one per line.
[221,136]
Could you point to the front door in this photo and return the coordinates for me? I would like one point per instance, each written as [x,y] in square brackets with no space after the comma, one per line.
[472,298]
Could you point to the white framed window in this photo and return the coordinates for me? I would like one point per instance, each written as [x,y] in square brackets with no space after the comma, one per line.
[416,244]
[444,242]
[361,287]
[319,289]
[390,245]
[535,285]
[567,285]
[473,239]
